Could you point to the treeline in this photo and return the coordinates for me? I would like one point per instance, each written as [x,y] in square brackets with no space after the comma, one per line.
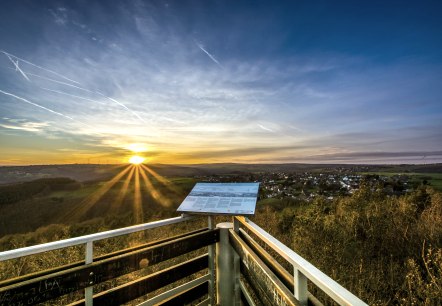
[13,193]
[385,249]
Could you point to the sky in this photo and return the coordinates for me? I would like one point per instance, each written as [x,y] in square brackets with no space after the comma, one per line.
[184,82]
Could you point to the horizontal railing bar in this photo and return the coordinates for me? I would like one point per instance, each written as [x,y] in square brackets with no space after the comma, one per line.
[276,268]
[269,283]
[142,286]
[205,302]
[256,289]
[245,293]
[320,279]
[35,249]
[63,282]
[188,296]
[105,256]
[177,290]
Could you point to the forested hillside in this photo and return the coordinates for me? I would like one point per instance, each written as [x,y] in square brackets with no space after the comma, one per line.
[386,249]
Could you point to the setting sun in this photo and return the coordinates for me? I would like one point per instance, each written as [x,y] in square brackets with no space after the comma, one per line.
[136,160]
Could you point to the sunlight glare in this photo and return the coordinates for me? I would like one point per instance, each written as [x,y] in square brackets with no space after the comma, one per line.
[136,160]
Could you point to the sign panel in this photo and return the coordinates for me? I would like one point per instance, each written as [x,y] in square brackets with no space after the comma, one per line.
[221,198]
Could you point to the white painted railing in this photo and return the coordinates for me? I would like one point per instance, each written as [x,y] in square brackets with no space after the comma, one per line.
[303,270]
[88,240]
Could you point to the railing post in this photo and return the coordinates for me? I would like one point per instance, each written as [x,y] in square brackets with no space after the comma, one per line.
[236,267]
[301,290]
[88,291]
[211,266]
[225,270]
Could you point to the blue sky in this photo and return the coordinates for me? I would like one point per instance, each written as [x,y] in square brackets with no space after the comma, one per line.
[220,81]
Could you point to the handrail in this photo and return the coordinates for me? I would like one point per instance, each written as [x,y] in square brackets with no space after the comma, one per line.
[35,249]
[320,279]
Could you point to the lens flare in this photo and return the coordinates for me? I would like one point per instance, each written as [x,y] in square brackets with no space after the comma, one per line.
[136,160]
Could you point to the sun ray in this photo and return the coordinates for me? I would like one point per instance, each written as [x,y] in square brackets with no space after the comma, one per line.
[158,196]
[121,195]
[138,204]
[163,181]
[78,211]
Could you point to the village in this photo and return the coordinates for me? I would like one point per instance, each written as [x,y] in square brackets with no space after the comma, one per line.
[308,185]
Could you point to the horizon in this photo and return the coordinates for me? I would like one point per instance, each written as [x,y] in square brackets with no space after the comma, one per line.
[231,163]
[184,82]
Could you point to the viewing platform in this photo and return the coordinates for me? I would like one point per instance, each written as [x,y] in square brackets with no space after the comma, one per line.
[236,263]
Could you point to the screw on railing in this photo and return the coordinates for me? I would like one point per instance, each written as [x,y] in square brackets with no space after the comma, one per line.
[88,291]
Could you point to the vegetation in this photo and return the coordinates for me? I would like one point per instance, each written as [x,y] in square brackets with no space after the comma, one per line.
[17,192]
[385,249]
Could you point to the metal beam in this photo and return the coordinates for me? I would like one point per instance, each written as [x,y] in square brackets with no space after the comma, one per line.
[35,249]
[268,282]
[142,286]
[175,291]
[330,287]
[187,296]
[98,258]
[54,285]
[276,268]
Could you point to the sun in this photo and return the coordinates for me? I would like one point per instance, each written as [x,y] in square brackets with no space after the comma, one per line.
[136,160]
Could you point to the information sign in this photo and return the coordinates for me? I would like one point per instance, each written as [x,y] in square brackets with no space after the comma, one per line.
[221,198]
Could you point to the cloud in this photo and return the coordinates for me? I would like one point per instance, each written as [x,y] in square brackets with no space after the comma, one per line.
[24,125]
[42,107]
[60,15]
[265,128]
[147,83]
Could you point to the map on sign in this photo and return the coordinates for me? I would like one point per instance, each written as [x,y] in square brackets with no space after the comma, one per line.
[221,198]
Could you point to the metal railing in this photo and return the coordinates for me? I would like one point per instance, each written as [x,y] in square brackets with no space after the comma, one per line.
[302,269]
[244,271]
[27,289]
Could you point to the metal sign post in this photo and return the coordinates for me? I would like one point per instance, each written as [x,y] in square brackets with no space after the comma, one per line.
[235,199]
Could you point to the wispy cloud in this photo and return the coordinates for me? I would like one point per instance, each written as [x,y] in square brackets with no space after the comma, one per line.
[23,124]
[60,15]
[42,107]
[265,128]
[147,83]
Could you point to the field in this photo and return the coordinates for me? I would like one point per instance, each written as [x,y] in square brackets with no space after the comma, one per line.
[432,179]
[385,249]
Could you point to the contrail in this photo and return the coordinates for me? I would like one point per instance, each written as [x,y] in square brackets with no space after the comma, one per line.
[84,89]
[66,78]
[209,55]
[42,107]
[124,106]
[59,82]
[48,70]
[70,95]
[17,68]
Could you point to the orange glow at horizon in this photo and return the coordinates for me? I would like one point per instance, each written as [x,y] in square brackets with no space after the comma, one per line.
[136,160]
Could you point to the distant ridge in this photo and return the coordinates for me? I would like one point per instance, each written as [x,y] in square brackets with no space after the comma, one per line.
[92,172]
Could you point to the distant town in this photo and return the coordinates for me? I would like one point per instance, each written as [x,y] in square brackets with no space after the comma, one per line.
[308,185]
